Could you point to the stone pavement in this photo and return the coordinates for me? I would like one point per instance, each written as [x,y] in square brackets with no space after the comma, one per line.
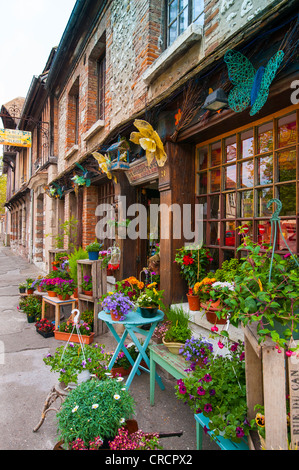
[25,380]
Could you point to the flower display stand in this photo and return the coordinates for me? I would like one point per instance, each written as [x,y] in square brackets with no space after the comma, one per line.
[94,269]
[270,376]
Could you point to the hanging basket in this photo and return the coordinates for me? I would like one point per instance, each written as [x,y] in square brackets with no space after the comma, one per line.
[114,254]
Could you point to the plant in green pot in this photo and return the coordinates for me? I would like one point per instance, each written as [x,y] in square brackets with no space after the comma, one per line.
[22,287]
[93,250]
[149,301]
[96,409]
[179,330]
[78,254]
[266,294]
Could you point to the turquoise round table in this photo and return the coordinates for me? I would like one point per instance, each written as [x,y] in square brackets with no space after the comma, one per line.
[131,326]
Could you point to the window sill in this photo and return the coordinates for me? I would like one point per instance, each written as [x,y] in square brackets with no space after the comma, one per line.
[71,151]
[94,128]
[191,35]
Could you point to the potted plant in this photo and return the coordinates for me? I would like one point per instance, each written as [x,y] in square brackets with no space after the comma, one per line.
[118,304]
[45,328]
[130,286]
[193,262]
[148,302]
[49,285]
[72,364]
[93,250]
[266,293]
[29,286]
[32,306]
[22,287]
[64,288]
[122,366]
[212,294]
[179,330]
[197,351]
[218,390]
[87,285]
[73,266]
[96,408]
[66,328]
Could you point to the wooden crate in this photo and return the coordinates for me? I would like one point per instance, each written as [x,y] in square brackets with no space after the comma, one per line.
[99,287]
[270,377]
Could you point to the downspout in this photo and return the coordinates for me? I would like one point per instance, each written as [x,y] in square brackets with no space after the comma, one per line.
[31,212]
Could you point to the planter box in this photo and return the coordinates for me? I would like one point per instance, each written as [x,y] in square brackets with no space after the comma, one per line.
[62,336]
[45,335]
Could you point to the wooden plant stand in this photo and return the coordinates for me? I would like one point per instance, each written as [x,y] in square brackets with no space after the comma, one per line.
[99,287]
[270,376]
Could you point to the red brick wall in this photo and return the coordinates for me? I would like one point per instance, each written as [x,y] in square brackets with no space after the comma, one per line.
[90,202]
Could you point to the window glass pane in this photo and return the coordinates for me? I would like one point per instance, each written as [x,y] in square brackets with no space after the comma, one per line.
[215,180]
[247,144]
[246,204]
[202,183]
[216,154]
[183,4]
[172,32]
[265,170]
[287,196]
[183,20]
[203,201]
[228,254]
[197,8]
[202,158]
[173,11]
[215,259]
[246,174]
[287,130]
[215,207]
[287,165]
[264,195]
[229,233]
[247,226]
[265,138]
[230,206]
[230,149]
[264,231]
[288,228]
[230,176]
[214,233]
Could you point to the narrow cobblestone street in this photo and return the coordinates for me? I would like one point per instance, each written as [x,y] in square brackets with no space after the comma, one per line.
[25,380]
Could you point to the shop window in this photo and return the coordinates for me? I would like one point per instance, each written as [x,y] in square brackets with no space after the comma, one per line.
[239,174]
[180,14]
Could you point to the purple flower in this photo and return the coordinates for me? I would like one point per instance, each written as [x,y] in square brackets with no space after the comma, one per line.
[207,378]
[201,391]
[208,408]
[239,431]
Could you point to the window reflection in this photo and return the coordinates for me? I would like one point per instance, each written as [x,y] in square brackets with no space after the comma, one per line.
[247,174]
[247,144]
[265,170]
[230,176]
[216,154]
[247,204]
[264,232]
[287,165]
[287,130]
[264,195]
[230,206]
[230,149]
[288,228]
[265,138]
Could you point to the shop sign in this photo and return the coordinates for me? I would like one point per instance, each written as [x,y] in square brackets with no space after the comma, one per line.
[15,138]
[141,172]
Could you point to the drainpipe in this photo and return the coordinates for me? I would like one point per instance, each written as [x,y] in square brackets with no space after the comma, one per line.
[31,223]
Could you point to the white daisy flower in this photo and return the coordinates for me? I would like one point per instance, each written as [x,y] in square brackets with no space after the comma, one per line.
[75,409]
[120,379]
[95,406]
[116,396]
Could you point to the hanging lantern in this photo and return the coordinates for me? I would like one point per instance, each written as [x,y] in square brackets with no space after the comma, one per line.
[114,254]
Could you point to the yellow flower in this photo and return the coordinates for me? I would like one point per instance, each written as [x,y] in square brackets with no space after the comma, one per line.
[260,284]
[150,141]
[153,284]
[260,420]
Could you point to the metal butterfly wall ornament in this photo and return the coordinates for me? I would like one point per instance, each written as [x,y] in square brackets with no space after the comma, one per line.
[251,86]
[82,180]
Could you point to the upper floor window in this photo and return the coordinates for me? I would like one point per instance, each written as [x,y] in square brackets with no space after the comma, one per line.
[101,73]
[180,14]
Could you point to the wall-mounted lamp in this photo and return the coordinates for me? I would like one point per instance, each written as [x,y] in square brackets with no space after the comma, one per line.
[216,100]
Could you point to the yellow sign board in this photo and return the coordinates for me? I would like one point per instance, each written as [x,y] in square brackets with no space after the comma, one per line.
[15,138]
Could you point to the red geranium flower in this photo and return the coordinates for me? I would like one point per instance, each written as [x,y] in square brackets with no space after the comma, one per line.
[187,259]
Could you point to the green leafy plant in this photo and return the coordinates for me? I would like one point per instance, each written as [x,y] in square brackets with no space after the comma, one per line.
[67,327]
[179,330]
[31,305]
[228,271]
[87,283]
[218,390]
[150,297]
[193,263]
[77,254]
[273,304]
[29,283]
[70,362]
[96,408]
[95,246]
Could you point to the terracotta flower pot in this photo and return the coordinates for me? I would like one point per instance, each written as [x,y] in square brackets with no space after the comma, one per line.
[194,302]
[66,297]
[30,291]
[88,292]
[51,293]
[114,316]
[211,308]
[63,336]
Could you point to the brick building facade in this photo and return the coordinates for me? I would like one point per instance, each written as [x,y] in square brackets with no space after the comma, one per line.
[121,60]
